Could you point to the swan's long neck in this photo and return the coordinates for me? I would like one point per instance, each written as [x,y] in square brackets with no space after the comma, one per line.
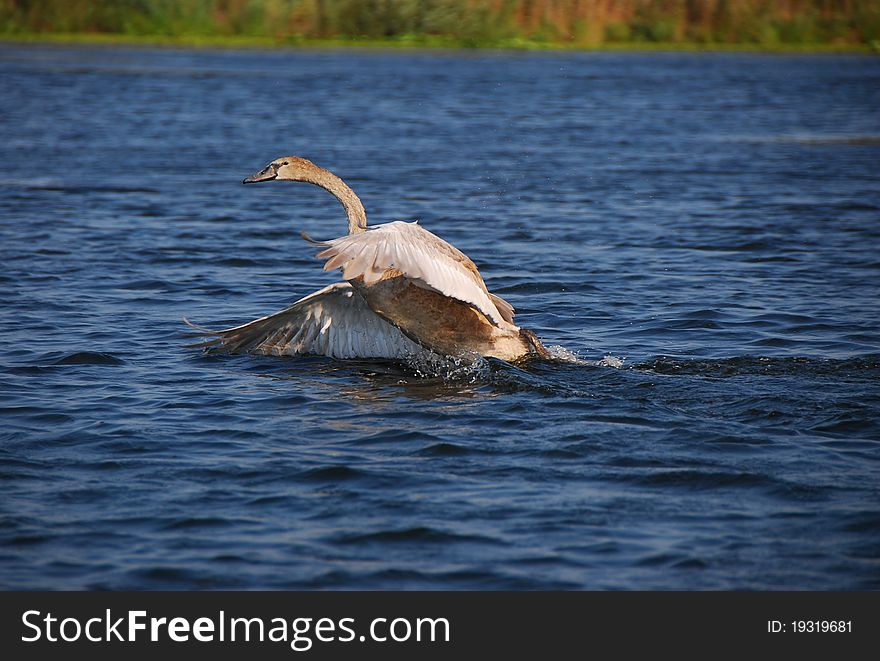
[354,209]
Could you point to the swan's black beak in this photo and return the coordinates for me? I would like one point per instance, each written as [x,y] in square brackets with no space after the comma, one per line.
[268,173]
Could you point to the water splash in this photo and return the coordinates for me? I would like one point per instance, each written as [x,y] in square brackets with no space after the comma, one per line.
[610,361]
[467,368]
[560,353]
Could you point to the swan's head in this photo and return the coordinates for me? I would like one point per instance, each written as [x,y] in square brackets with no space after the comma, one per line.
[292,168]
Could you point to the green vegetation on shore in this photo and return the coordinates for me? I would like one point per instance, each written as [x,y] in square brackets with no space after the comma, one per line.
[620,24]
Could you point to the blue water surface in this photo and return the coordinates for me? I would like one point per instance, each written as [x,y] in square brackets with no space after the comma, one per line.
[701,229]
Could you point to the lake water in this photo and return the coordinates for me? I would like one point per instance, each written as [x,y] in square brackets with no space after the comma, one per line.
[702,230]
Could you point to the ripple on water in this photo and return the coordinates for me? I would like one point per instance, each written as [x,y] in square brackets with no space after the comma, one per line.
[88,358]
[765,365]
[444,450]
[415,535]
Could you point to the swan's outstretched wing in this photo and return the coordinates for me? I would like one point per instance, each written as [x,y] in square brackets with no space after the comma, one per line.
[423,257]
[334,321]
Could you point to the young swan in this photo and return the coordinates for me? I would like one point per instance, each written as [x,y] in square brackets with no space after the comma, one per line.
[422,291]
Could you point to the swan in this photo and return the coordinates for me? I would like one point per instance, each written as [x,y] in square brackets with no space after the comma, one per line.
[407,292]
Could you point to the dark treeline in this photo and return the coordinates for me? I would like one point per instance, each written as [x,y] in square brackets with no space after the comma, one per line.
[469,22]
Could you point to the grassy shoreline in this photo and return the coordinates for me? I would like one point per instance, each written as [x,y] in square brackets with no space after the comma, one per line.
[421,42]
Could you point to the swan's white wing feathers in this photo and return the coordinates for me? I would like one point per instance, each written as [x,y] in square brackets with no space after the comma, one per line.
[421,256]
[334,321]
